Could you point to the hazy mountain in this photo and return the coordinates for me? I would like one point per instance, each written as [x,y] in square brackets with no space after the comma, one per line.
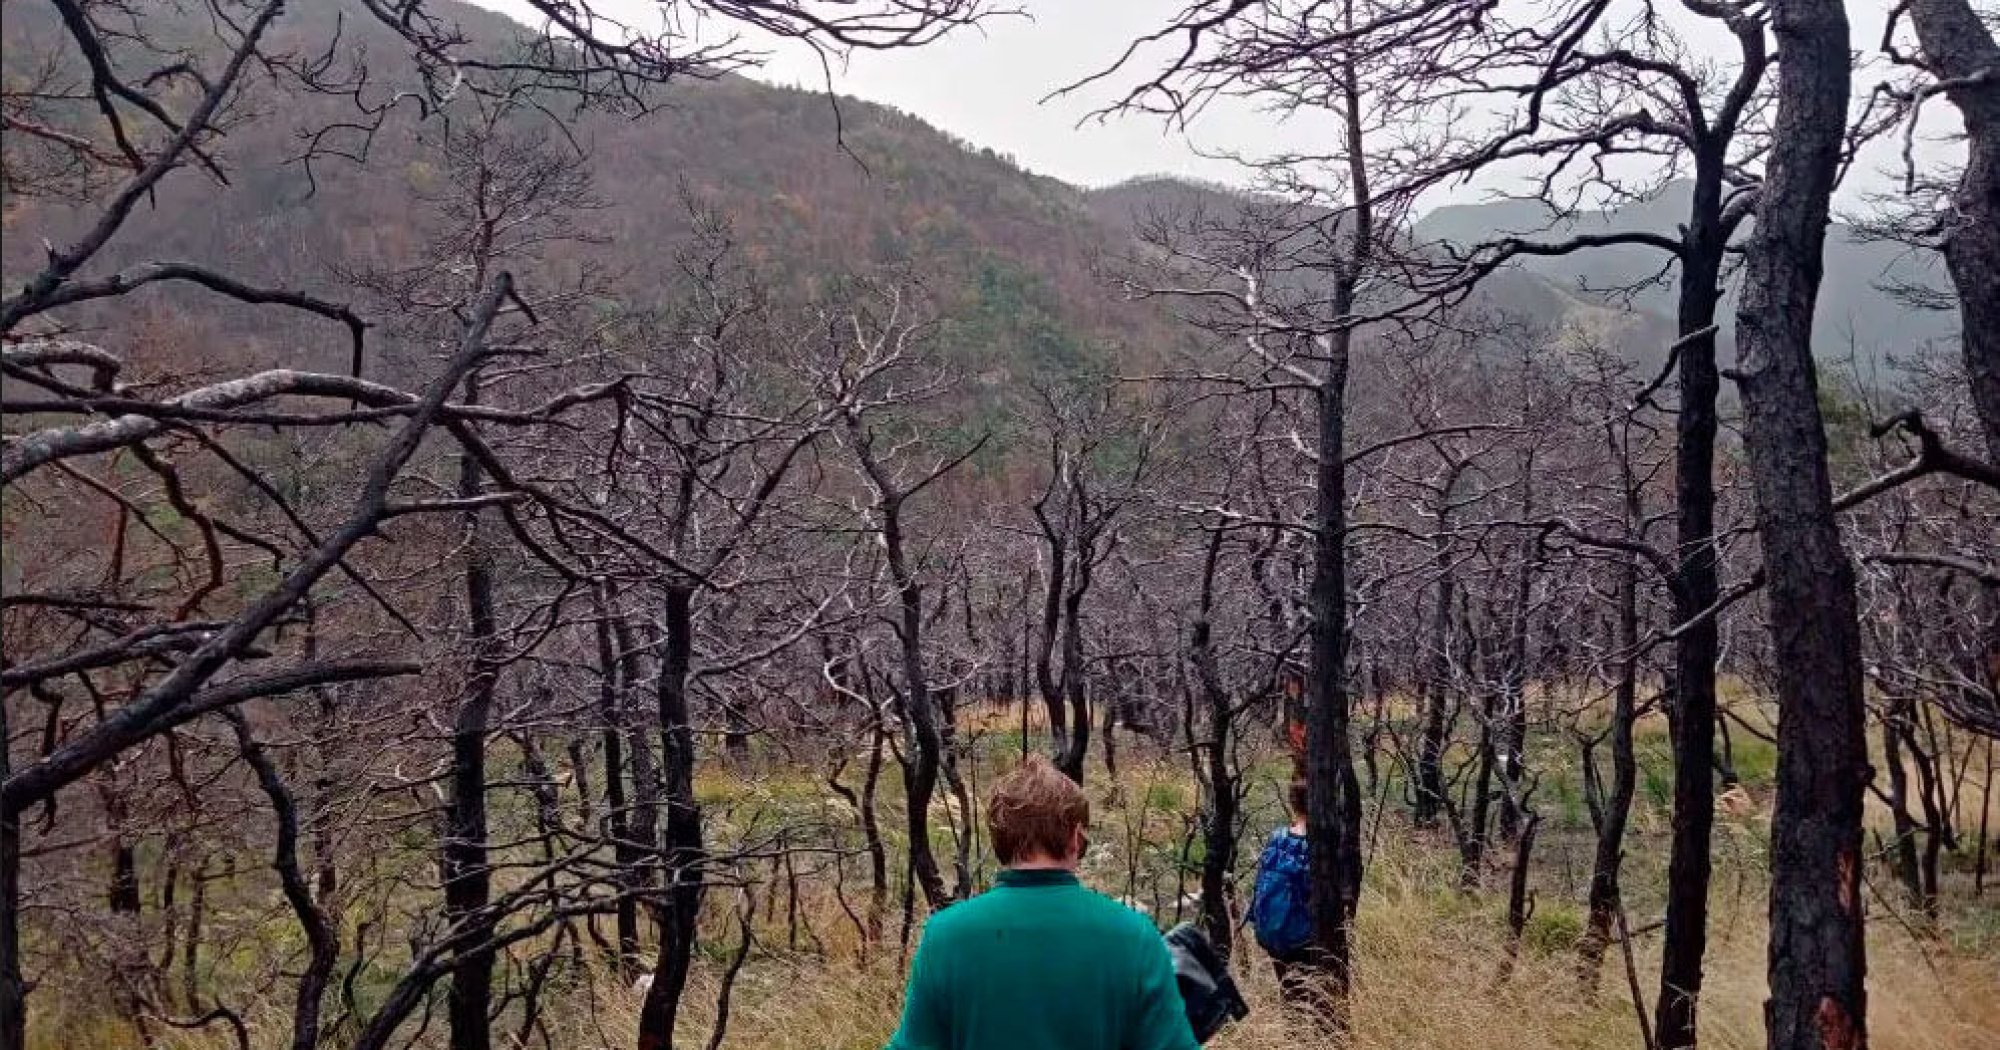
[1855,309]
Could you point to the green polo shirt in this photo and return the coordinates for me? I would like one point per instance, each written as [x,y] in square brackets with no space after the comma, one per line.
[1040,963]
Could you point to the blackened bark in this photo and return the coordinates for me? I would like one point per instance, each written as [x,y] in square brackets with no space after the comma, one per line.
[123,895]
[1333,823]
[1905,846]
[1473,834]
[1513,731]
[871,834]
[919,707]
[624,851]
[1333,795]
[1045,646]
[922,715]
[467,876]
[1691,714]
[1076,688]
[1430,752]
[648,794]
[1615,806]
[1219,807]
[1520,902]
[1959,48]
[13,989]
[1817,955]
[191,945]
[683,852]
[1938,830]
[1109,741]
[323,949]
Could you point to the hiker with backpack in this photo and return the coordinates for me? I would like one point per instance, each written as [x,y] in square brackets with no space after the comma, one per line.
[1281,903]
[1039,961]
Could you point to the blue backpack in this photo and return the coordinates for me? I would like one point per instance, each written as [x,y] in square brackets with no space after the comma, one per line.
[1281,905]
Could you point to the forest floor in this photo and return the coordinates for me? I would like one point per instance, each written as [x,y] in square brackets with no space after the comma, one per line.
[1432,972]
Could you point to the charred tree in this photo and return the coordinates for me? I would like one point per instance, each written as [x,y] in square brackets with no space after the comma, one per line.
[1817,955]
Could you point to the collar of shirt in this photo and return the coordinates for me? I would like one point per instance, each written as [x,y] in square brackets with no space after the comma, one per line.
[1025,877]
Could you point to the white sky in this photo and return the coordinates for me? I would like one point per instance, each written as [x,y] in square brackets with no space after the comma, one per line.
[986,84]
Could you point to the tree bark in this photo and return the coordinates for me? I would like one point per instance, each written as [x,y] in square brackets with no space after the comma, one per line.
[1045,645]
[1219,808]
[625,854]
[1615,806]
[1817,955]
[1905,846]
[648,794]
[323,949]
[1076,687]
[1959,48]
[919,707]
[1333,823]
[1430,754]
[1691,716]
[13,989]
[467,876]
[1512,756]
[682,850]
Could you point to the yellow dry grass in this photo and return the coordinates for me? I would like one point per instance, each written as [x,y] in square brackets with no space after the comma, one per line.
[1429,980]
[1431,957]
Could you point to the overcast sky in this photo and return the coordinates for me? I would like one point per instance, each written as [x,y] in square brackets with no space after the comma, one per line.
[987,84]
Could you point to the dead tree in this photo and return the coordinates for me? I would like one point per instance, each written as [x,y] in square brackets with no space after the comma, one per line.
[1957,48]
[1586,99]
[1075,514]
[1817,962]
[870,350]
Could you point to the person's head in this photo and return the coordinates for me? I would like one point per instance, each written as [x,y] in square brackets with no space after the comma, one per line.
[1037,817]
[1295,799]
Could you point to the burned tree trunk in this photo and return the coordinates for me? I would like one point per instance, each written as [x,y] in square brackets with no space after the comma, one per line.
[1430,785]
[1691,713]
[1817,955]
[1053,699]
[13,989]
[323,947]
[1961,51]
[1613,807]
[467,874]
[1076,685]
[617,823]
[1333,823]
[682,852]
[1219,807]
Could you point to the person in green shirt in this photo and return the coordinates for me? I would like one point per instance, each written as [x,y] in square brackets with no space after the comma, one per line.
[1039,962]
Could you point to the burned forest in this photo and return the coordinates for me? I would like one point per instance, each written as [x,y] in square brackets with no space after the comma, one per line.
[543,525]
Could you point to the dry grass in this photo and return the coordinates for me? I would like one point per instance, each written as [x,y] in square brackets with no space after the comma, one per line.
[1429,980]
[1431,956]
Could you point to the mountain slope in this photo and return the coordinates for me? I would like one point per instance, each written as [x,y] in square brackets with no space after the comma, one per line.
[1856,309]
[1011,257]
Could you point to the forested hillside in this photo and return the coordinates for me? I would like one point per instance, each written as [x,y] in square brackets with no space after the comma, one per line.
[1023,266]
[1008,254]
